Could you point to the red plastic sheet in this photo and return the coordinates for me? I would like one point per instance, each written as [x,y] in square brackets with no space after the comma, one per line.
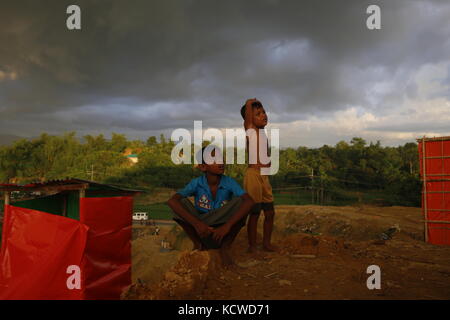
[436,200]
[107,259]
[37,249]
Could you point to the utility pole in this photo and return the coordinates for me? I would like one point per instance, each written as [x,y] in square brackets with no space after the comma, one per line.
[312,186]
[91,172]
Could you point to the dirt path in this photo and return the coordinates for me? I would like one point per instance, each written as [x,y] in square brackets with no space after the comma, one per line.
[323,253]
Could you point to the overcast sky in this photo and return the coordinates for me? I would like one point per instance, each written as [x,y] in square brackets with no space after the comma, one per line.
[147,67]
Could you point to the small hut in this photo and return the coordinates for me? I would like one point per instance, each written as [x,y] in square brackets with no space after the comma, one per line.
[65,239]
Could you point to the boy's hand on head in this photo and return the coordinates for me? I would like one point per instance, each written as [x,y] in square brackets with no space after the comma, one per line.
[249,102]
[248,119]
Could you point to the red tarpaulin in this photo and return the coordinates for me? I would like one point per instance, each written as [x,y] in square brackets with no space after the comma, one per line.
[38,247]
[107,263]
[434,154]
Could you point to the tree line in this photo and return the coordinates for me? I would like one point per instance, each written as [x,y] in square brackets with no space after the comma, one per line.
[354,165]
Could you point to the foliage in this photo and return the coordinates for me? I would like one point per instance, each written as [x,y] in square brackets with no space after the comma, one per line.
[354,166]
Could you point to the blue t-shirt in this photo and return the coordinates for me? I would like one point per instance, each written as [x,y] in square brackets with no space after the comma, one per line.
[204,202]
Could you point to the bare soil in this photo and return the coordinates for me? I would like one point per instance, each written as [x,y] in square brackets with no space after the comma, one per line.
[323,253]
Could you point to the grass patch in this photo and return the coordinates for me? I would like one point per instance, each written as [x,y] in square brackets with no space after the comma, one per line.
[301,198]
[338,197]
[159,211]
[341,197]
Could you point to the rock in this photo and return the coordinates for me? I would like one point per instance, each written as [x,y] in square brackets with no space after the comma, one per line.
[388,234]
[283,282]
[172,276]
[248,264]
[309,242]
[186,280]
[300,256]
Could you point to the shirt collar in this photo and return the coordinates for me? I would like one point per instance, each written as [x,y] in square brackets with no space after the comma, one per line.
[205,184]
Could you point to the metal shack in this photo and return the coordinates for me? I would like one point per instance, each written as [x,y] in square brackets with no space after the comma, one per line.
[72,243]
[434,154]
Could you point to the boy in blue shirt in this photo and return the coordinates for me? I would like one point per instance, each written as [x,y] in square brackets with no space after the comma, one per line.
[221,208]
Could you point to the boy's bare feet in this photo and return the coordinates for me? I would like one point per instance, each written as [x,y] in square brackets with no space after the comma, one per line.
[227,261]
[270,248]
[251,249]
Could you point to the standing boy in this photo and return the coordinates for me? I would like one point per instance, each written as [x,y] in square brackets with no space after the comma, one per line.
[221,207]
[256,184]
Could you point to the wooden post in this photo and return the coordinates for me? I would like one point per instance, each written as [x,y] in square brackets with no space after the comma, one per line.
[312,186]
[64,209]
[7,197]
[82,195]
[425,200]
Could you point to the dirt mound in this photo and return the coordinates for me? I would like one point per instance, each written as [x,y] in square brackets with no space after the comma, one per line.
[362,223]
[186,280]
[149,259]
[323,253]
[299,244]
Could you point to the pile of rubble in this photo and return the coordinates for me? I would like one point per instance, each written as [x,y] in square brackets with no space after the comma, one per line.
[185,280]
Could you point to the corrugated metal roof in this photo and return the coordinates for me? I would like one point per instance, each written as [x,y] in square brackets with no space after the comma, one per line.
[66,184]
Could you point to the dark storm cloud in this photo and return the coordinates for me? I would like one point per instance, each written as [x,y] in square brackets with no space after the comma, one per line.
[155,65]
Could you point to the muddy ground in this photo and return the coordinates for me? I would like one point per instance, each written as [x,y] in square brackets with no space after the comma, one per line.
[323,253]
